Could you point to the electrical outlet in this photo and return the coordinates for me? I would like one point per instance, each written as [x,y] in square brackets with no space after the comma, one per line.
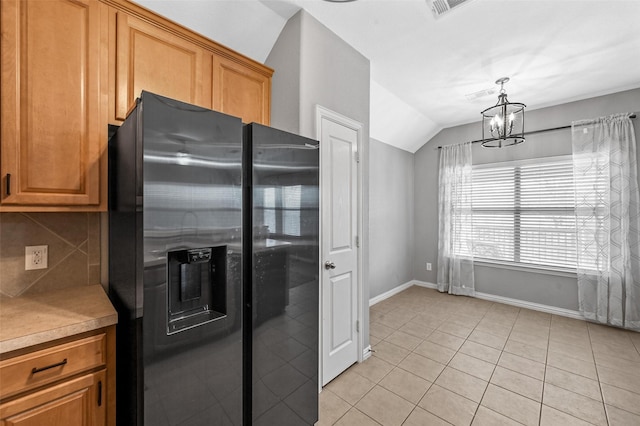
[35,257]
[428,266]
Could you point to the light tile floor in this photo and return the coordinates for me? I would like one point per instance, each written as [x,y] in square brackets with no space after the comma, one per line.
[440,359]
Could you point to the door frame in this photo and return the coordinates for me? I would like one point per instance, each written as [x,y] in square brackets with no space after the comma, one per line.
[320,114]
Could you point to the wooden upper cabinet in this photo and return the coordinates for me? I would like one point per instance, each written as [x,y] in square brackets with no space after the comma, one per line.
[70,67]
[160,56]
[241,91]
[53,83]
[153,59]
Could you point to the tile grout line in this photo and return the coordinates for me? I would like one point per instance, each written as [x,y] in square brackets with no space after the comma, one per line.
[494,367]
[446,365]
[502,351]
[432,383]
[584,377]
[595,365]
[609,384]
[544,377]
[394,366]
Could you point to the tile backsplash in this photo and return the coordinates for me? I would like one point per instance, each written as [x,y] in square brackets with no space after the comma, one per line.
[73,241]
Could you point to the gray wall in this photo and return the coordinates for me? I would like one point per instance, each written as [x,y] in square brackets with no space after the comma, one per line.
[313,66]
[285,59]
[559,291]
[390,218]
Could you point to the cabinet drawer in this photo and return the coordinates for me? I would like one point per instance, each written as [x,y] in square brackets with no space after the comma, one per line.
[48,365]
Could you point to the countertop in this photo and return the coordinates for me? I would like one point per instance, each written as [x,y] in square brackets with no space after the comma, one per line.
[30,320]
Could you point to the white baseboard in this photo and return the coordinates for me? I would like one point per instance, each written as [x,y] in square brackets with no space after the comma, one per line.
[425,284]
[366,353]
[390,293]
[398,289]
[490,297]
[531,305]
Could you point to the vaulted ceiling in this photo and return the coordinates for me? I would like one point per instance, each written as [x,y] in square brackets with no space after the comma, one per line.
[430,73]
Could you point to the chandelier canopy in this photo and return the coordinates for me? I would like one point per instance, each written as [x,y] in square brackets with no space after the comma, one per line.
[503,123]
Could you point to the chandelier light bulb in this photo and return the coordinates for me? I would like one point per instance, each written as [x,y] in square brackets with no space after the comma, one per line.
[497,124]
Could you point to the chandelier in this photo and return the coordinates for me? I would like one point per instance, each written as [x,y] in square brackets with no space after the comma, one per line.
[503,123]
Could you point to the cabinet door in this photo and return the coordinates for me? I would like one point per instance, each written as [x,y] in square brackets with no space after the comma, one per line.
[77,402]
[53,132]
[241,91]
[152,59]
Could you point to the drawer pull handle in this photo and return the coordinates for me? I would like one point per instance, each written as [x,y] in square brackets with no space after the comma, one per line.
[8,183]
[35,370]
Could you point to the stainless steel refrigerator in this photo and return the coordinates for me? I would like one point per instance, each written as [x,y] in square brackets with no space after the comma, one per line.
[213,268]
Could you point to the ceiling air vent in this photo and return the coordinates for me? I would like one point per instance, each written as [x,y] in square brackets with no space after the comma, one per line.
[440,7]
[480,94]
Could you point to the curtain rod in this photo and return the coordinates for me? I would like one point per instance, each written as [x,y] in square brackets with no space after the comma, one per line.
[541,131]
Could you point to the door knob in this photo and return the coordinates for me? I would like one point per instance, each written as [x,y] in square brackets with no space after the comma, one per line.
[329,265]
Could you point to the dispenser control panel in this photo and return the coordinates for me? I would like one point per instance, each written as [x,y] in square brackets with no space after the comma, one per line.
[199,255]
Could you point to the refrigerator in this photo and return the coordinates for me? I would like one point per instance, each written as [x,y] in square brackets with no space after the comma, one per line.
[213,269]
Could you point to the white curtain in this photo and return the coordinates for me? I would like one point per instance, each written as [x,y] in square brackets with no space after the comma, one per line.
[608,220]
[455,249]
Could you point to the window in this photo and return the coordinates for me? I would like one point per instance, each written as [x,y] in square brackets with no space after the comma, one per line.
[523,212]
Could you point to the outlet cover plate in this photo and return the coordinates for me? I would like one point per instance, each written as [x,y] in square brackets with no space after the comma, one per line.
[35,257]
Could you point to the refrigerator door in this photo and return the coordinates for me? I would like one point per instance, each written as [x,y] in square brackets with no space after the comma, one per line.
[282,231]
[188,243]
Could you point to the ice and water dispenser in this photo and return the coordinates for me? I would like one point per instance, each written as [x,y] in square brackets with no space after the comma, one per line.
[196,287]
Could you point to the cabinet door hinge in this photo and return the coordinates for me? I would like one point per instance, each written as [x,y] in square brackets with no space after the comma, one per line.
[357,241]
[358,326]
[357,155]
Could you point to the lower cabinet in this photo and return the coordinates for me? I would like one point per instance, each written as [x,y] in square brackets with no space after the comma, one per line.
[76,402]
[70,382]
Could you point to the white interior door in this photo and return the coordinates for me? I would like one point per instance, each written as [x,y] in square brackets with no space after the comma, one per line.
[339,141]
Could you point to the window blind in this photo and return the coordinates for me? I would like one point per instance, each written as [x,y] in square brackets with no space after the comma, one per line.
[524,212]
